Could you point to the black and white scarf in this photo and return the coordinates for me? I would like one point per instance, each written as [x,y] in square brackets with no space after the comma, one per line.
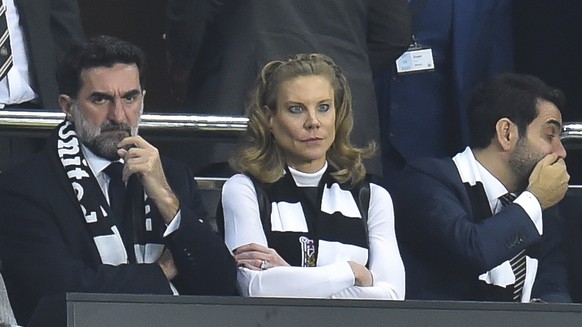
[502,275]
[147,236]
[314,226]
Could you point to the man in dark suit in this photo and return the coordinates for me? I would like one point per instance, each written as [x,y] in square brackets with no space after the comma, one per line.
[361,36]
[460,233]
[424,114]
[64,226]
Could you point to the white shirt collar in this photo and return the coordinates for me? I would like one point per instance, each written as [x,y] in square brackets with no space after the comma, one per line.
[96,163]
[307,179]
[472,171]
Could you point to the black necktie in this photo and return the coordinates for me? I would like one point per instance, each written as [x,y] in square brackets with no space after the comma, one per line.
[116,192]
[507,199]
[517,263]
[5,50]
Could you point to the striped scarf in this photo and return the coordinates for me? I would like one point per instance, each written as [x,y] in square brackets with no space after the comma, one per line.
[314,226]
[146,238]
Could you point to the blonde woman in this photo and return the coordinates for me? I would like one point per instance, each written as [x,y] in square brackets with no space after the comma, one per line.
[321,238]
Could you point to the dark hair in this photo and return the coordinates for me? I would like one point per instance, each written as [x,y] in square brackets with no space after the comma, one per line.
[100,51]
[513,96]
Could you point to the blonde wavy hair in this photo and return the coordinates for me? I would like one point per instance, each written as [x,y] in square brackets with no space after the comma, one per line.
[260,156]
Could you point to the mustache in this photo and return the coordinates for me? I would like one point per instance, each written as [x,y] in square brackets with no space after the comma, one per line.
[112,127]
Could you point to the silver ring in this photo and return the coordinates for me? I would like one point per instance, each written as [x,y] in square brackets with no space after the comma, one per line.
[264,264]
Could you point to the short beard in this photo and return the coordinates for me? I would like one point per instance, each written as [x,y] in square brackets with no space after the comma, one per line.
[101,140]
[523,161]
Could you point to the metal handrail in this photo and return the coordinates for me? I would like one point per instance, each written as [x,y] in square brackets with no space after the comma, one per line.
[34,120]
[571,130]
[183,123]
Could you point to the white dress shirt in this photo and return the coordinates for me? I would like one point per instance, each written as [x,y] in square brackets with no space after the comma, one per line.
[16,87]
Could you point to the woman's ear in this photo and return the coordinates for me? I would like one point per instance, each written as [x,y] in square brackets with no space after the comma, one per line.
[507,133]
[269,113]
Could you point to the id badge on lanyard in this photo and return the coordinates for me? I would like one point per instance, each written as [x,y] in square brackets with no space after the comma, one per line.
[416,59]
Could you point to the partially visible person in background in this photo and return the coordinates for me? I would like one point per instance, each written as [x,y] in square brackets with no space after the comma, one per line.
[241,36]
[424,112]
[39,33]
[188,25]
[301,218]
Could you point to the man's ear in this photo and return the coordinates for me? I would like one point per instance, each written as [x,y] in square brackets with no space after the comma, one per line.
[507,133]
[67,103]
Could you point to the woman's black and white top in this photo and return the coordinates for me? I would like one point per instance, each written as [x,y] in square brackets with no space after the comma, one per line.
[332,276]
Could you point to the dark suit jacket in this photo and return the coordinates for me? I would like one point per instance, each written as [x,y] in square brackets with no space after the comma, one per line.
[360,35]
[425,114]
[570,210]
[46,249]
[50,28]
[446,241]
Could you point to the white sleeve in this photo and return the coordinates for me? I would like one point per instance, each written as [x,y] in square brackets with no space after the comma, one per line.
[385,262]
[242,225]
[532,207]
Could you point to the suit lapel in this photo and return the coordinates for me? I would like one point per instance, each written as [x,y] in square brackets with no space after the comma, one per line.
[479,202]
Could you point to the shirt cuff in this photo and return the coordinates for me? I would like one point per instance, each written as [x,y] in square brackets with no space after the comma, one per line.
[532,207]
[174,224]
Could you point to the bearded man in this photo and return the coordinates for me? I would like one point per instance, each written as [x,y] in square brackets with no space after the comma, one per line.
[66,223]
[480,226]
